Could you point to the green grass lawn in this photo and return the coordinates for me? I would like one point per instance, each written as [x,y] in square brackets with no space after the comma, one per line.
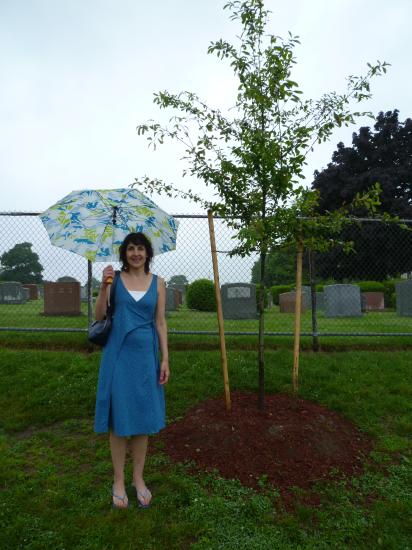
[31,315]
[56,474]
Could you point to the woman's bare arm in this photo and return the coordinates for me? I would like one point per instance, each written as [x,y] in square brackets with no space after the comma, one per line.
[161,327]
[101,302]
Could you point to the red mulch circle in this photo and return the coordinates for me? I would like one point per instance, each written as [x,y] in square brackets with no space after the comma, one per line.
[293,442]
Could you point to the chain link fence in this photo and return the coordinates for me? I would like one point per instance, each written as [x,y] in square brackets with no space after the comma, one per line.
[367,292]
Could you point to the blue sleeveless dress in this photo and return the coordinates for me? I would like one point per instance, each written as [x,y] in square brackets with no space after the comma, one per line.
[130,400]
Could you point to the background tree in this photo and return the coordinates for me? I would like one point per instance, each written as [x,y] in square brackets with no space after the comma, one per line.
[382,156]
[178,280]
[253,158]
[21,264]
[280,267]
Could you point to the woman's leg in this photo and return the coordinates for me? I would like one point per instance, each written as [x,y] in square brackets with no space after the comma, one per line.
[118,446]
[139,449]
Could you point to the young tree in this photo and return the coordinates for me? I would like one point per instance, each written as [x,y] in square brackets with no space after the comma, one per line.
[21,264]
[253,158]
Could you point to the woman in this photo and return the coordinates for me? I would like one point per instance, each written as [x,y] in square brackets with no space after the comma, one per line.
[130,394]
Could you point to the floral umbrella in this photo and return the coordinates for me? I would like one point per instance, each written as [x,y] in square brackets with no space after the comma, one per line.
[94,222]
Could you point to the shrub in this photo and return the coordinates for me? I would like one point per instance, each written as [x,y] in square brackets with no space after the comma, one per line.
[390,292]
[371,286]
[279,289]
[321,286]
[258,286]
[201,295]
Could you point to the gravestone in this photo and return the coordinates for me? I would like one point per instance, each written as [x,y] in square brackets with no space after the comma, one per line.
[173,298]
[404,298]
[62,298]
[270,300]
[83,293]
[342,301]
[306,297]
[26,293]
[11,292]
[287,302]
[239,301]
[182,290]
[373,301]
[320,301]
[33,291]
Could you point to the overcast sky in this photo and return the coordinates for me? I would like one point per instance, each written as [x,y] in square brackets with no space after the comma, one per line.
[77,76]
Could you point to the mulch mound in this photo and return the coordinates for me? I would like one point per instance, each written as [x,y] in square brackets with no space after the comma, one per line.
[293,442]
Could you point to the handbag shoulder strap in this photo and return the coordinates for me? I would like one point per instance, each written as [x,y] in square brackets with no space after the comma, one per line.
[112,302]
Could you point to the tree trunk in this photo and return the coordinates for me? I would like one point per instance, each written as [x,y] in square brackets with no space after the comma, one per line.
[261,361]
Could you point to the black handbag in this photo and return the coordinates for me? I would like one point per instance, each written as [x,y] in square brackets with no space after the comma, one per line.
[99,330]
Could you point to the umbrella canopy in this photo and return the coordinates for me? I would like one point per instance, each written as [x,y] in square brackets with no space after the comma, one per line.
[94,222]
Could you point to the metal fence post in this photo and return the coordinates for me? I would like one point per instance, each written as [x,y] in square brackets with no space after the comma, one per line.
[89,292]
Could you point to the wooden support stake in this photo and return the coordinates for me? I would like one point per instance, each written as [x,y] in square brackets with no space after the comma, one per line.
[219,311]
[298,308]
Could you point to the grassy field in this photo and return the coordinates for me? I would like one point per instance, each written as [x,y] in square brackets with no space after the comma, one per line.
[56,474]
[31,315]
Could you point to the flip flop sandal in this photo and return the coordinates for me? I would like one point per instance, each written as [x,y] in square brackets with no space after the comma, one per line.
[115,506]
[140,495]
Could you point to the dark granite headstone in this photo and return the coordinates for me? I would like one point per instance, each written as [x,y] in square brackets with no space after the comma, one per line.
[11,292]
[239,301]
[320,301]
[26,293]
[173,298]
[404,298]
[342,301]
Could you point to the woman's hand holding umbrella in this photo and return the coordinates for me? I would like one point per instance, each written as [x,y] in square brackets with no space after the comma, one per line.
[108,275]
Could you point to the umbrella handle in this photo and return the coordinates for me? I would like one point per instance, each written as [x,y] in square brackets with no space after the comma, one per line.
[109,281]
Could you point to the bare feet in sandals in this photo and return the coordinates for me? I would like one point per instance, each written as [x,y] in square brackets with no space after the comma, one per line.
[143,495]
[119,497]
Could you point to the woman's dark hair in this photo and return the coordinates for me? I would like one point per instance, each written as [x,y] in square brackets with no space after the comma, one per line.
[136,238]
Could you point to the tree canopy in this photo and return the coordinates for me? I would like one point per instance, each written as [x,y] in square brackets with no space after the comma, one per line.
[21,264]
[384,156]
[178,280]
[253,157]
[280,267]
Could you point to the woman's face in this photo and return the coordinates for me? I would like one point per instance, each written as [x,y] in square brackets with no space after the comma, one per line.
[136,255]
